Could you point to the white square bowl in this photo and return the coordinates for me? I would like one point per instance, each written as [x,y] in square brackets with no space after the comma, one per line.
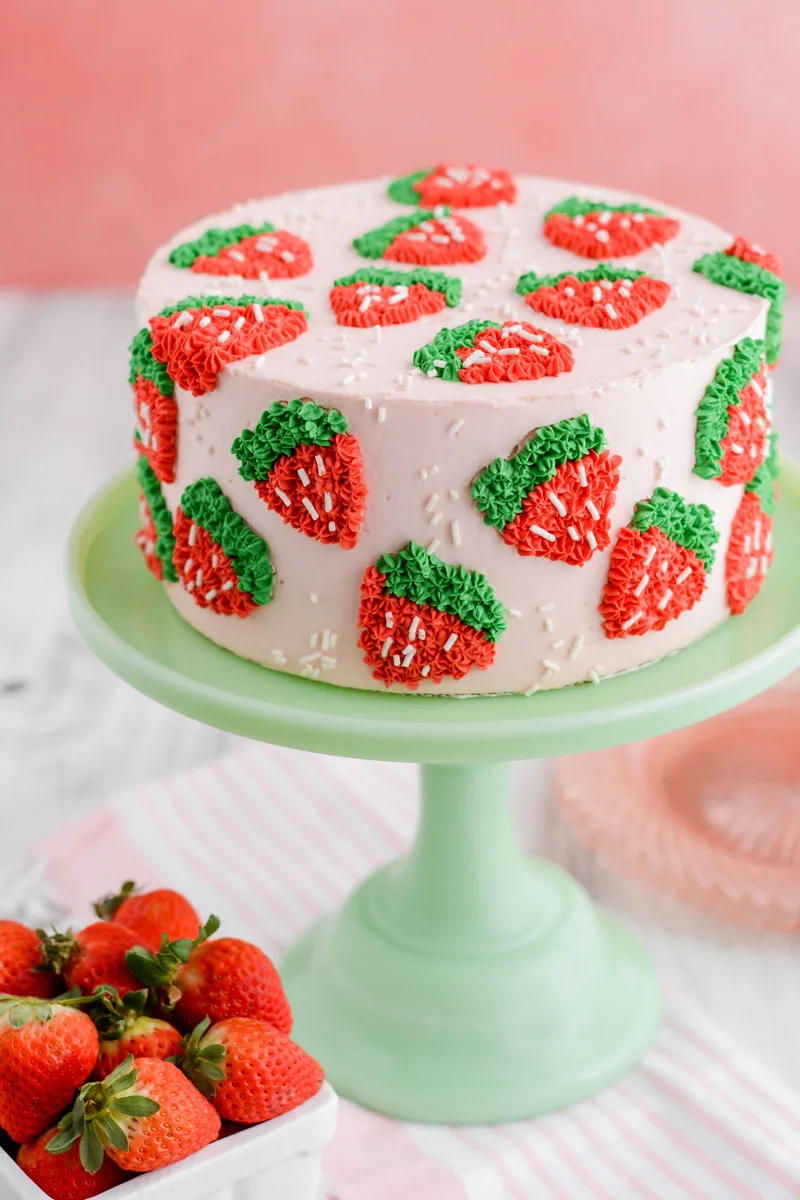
[279,1160]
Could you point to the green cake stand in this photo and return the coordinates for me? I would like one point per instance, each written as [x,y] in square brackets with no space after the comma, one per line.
[466,982]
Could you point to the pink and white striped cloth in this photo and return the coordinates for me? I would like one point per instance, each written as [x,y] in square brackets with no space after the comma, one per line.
[270,839]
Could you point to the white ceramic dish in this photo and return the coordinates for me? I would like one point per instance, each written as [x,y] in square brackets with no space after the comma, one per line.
[280,1160]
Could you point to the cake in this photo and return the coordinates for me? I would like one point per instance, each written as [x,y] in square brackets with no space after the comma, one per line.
[456,433]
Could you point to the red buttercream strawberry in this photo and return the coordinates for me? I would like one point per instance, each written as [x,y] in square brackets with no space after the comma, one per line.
[156,435]
[308,469]
[751,253]
[595,229]
[467,186]
[733,420]
[659,565]
[423,619]
[482,351]
[750,550]
[376,296]
[553,497]
[426,238]
[249,251]
[197,338]
[155,538]
[605,297]
[218,558]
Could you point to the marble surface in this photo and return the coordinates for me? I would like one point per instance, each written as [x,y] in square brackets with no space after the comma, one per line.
[70,732]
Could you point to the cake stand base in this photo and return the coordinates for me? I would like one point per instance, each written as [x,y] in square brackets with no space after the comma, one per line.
[469,983]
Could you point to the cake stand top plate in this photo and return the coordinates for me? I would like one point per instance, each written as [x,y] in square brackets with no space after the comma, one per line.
[126,618]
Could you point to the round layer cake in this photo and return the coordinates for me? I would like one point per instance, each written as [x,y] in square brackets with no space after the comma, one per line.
[456,433]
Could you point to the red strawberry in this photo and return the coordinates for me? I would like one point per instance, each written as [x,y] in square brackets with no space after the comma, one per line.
[606,297]
[425,238]
[459,186]
[307,469]
[157,428]
[375,296]
[482,351]
[251,252]
[92,957]
[658,565]
[751,253]
[63,1177]
[599,230]
[216,979]
[145,1115]
[750,550]
[218,558]
[149,915]
[155,538]
[423,619]
[124,1028]
[200,336]
[553,497]
[21,962]
[732,418]
[47,1050]
[248,1070]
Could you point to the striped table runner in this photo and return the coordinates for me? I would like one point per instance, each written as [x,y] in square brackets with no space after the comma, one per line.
[270,839]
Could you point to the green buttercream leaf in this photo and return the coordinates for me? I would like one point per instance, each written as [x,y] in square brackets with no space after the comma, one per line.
[162,519]
[142,363]
[280,430]
[573,206]
[688,525]
[435,281]
[753,280]
[206,504]
[730,377]
[531,282]
[209,244]
[403,191]
[443,348]
[500,490]
[375,243]
[423,578]
[234,301]
[765,480]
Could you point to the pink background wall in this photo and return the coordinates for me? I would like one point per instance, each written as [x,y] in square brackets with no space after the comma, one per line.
[121,120]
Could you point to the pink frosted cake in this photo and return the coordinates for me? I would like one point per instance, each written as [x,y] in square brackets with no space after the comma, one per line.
[456,433]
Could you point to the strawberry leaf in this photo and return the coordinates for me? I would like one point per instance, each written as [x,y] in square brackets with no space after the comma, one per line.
[137,1106]
[64,1140]
[112,1133]
[107,907]
[91,1151]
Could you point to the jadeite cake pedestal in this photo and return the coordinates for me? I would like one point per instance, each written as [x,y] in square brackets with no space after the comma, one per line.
[467,982]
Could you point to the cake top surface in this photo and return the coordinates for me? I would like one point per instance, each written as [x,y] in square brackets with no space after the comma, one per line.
[698,318]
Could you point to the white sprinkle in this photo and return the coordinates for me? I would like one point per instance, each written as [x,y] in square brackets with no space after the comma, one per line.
[223,337]
[258,314]
[592,540]
[386,647]
[597,295]
[188,566]
[592,510]
[569,291]
[412,629]
[435,519]
[576,647]
[283,497]
[736,448]
[632,620]
[190,586]
[434,469]
[238,323]
[304,479]
[314,598]
[612,312]
[454,428]
[425,670]
[547,624]
[181,319]
[550,665]
[199,578]
[651,553]
[308,505]
[226,587]
[557,644]
[351,378]
[222,312]
[367,403]
[451,641]
[557,504]
[331,527]
[545,676]
[595,678]
[602,235]
[533,688]
[204,321]
[455,533]
[537,529]
[310,658]
[215,561]
[545,608]
[434,546]
[665,599]
[381,415]
[192,535]
[210,595]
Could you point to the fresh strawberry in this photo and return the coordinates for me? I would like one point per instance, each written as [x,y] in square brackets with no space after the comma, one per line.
[196,339]
[150,914]
[63,1177]
[47,1050]
[216,979]
[553,496]
[21,967]
[219,559]
[659,565]
[465,186]
[155,538]
[426,238]
[423,619]
[306,468]
[377,296]
[92,957]
[605,297]
[750,549]
[124,1028]
[731,439]
[156,436]
[751,253]
[599,230]
[482,351]
[754,278]
[144,1115]
[249,251]
[249,1070]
